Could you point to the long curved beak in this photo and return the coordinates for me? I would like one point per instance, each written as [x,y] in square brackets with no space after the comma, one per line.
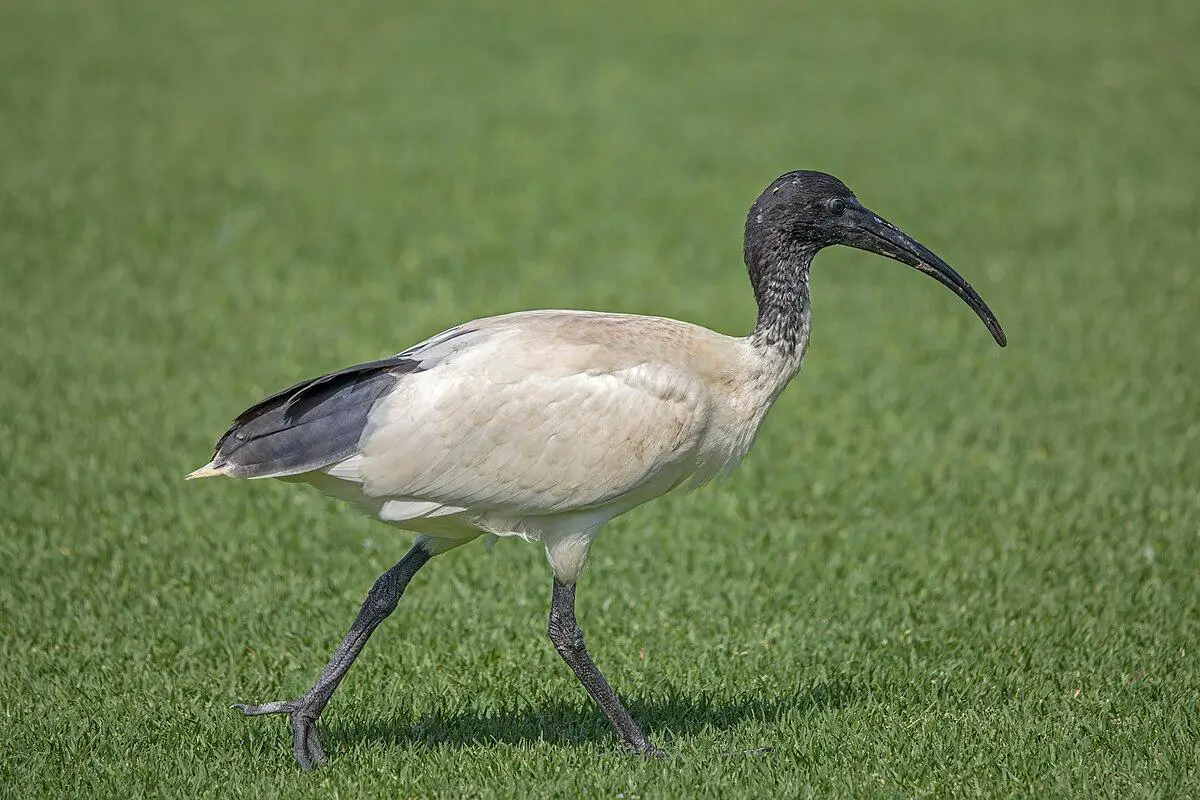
[877,235]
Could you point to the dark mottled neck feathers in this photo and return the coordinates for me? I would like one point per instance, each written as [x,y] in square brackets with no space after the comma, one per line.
[778,268]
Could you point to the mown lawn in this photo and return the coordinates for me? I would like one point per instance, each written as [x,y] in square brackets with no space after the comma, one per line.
[946,569]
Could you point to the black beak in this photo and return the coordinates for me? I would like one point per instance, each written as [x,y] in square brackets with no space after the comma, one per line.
[876,235]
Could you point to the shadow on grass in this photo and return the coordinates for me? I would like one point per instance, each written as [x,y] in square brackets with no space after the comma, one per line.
[573,723]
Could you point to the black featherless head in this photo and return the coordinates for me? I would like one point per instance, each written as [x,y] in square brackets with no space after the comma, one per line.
[804,211]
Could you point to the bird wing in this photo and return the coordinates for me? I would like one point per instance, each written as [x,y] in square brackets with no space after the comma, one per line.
[318,422]
[535,418]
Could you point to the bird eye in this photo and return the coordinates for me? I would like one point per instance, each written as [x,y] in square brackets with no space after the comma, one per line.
[836,206]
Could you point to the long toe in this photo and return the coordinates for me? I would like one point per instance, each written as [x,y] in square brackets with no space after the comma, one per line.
[306,745]
[316,753]
[279,707]
[647,750]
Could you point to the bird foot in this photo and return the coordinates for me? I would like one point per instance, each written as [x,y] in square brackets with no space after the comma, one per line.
[306,744]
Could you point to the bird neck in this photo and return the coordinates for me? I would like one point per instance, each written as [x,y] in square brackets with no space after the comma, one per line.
[780,281]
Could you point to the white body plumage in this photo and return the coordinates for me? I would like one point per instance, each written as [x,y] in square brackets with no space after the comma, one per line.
[547,424]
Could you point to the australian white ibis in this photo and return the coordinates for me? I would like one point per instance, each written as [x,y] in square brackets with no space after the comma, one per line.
[547,424]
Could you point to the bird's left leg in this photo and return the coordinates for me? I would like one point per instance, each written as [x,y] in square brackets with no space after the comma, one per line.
[304,712]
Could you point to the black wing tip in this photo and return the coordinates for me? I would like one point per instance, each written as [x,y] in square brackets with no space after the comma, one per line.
[282,411]
[297,391]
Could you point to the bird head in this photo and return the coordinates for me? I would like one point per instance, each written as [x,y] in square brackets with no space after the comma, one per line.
[804,211]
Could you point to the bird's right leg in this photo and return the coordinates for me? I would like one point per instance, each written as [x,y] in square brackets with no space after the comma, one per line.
[568,641]
[304,712]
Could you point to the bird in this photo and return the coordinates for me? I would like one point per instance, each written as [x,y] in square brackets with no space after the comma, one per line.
[545,425]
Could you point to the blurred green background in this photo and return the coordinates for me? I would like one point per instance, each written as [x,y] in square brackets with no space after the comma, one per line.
[946,569]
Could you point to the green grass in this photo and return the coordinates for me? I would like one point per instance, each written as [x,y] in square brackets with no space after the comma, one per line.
[945,570]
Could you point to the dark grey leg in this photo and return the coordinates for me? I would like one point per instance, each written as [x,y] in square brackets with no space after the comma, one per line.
[303,713]
[568,641]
